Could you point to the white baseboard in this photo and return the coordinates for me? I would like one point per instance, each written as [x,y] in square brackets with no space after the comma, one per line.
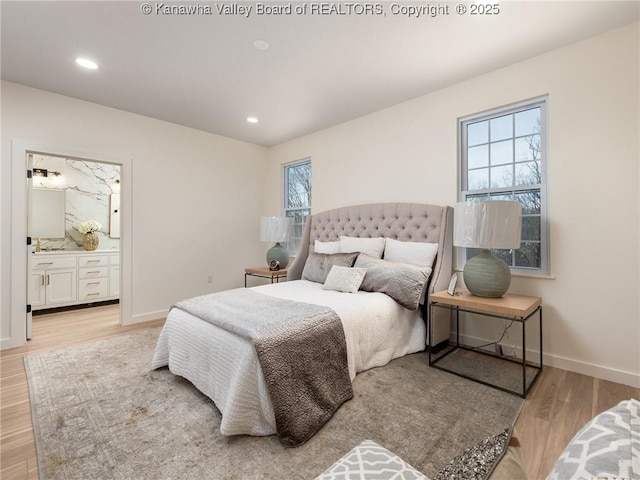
[598,371]
[146,317]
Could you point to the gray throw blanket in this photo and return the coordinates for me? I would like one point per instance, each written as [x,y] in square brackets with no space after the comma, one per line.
[301,349]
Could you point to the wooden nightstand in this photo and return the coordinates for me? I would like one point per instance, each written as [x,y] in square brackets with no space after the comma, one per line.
[264,272]
[514,308]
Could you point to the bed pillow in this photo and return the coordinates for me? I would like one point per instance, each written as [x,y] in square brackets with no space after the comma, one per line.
[414,253]
[401,281]
[326,247]
[369,246]
[318,265]
[344,279]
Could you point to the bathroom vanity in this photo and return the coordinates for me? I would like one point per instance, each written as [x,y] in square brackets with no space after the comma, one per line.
[63,278]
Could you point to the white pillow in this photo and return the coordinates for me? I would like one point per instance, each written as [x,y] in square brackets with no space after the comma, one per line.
[413,253]
[370,246]
[344,279]
[326,247]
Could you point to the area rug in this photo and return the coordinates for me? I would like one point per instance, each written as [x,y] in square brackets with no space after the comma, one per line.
[100,412]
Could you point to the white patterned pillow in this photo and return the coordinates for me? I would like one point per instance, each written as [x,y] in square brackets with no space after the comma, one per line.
[373,462]
[606,447]
[344,279]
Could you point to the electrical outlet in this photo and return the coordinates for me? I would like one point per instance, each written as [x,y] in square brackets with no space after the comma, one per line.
[210,278]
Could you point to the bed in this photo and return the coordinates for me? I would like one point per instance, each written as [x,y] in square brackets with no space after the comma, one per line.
[223,360]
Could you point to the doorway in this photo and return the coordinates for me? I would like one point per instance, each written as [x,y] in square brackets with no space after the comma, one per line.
[74,222]
[15,322]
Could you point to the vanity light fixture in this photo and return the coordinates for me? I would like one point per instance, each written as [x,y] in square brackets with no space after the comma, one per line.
[86,63]
[43,172]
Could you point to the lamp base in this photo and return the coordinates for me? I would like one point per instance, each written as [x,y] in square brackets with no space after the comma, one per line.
[279,253]
[486,275]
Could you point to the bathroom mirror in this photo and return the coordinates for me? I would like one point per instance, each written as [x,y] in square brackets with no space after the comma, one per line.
[114,216]
[47,210]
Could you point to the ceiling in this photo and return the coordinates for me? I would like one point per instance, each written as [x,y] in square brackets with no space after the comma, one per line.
[202,71]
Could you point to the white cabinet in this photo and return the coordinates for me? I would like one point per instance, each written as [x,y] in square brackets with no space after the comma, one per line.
[114,275]
[62,279]
[53,281]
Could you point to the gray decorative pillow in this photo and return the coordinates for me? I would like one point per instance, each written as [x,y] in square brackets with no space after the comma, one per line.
[401,281]
[606,447]
[318,265]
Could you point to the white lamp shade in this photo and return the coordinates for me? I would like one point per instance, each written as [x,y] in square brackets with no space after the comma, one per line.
[490,224]
[274,229]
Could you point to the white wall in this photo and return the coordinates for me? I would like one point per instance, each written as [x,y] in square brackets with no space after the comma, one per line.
[197,197]
[409,153]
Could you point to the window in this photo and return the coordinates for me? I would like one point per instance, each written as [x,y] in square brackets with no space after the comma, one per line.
[297,199]
[503,157]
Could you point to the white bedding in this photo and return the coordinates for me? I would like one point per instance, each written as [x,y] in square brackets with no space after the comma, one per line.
[225,367]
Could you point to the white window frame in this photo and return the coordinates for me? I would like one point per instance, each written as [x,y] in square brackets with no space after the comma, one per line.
[541,102]
[292,247]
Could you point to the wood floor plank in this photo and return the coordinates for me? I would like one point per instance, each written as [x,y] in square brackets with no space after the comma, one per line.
[608,394]
[567,420]
[532,432]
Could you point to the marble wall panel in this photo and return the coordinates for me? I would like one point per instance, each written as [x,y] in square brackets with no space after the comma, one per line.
[88,186]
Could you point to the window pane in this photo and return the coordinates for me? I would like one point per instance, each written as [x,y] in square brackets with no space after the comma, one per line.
[476,198]
[478,156]
[528,173]
[530,200]
[477,133]
[298,219]
[528,255]
[501,196]
[528,122]
[502,152]
[501,128]
[528,148]
[530,228]
[502,176]
[298,186]
[504,254]
[478,179]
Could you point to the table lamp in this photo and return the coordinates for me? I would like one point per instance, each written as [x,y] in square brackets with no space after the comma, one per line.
[487,225]
[275,229]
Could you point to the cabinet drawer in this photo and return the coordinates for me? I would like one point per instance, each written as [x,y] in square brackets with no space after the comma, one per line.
[41,263]
[92,289]
[92,272]
[93,261]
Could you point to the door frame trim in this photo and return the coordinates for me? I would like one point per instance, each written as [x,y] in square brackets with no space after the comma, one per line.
[19,249]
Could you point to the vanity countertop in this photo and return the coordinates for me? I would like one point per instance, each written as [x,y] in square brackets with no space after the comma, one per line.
[77,252]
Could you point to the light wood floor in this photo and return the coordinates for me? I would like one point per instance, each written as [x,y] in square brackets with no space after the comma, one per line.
[559,404]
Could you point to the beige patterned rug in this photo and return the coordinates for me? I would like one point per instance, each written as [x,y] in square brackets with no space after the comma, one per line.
[99,412]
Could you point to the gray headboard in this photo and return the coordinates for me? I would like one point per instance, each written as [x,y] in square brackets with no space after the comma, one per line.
[411,222]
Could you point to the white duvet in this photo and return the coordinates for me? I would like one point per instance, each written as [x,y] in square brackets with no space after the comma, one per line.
[225,367]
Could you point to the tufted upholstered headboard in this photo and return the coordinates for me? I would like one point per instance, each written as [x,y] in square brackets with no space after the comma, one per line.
[411,222]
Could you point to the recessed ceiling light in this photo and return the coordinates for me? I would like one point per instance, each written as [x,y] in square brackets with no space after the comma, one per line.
[260,44]
[86,63]
[252,120]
